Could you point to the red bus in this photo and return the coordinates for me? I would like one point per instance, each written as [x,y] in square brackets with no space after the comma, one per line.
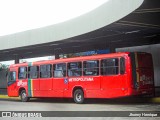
[99,76]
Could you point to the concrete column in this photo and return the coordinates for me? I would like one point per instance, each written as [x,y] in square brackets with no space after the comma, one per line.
[56,56]
[16,59]
[112,49]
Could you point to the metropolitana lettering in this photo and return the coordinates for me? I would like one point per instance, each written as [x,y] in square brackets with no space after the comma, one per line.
[80,79]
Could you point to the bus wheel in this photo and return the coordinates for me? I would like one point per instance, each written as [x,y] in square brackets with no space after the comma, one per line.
[23,96]
[78,96]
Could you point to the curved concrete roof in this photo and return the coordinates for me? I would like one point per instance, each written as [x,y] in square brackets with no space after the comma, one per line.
[104,15]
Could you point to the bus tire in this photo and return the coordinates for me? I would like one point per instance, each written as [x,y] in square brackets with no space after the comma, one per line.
[23,96]
[78,96]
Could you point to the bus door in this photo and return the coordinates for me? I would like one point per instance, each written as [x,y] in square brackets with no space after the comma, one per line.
[60,81]
[33,81]
[114,79]
[12,85]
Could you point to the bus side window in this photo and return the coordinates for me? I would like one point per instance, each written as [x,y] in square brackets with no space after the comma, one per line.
[22,73]
[110,66]
[45,71]
[12,76]
[59,70]
[91,68]
[33,72]
[122,66]
[74,69]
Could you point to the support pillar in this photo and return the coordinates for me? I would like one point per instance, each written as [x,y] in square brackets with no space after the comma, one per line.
[112,49]
[56,56]
[16,59]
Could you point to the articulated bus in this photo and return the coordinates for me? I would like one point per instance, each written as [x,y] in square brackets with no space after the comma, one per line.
[99,76]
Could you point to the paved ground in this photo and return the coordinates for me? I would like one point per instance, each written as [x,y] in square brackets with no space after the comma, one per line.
[69,105]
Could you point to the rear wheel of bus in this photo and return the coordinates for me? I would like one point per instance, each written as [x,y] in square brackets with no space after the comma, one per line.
[23,96]
[78,96]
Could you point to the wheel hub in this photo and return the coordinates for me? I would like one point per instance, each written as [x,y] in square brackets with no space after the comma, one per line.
[79,97]
[23,95]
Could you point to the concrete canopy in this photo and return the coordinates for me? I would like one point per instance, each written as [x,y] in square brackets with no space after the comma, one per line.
[140,27]
[106,14]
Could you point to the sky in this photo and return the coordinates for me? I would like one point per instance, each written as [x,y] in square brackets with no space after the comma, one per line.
[22,15]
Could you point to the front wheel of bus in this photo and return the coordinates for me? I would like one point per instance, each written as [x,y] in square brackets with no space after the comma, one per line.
[78,96]
[23,96]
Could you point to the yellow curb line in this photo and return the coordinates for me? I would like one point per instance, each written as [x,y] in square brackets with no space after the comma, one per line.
[155,100]
[7,97]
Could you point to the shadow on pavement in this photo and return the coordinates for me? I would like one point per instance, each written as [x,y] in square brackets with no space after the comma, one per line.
[121,101]
[96,101]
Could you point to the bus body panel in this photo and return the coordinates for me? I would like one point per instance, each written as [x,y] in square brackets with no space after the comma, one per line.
[110,86]
[46,84]
[13,90]
[59,86]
